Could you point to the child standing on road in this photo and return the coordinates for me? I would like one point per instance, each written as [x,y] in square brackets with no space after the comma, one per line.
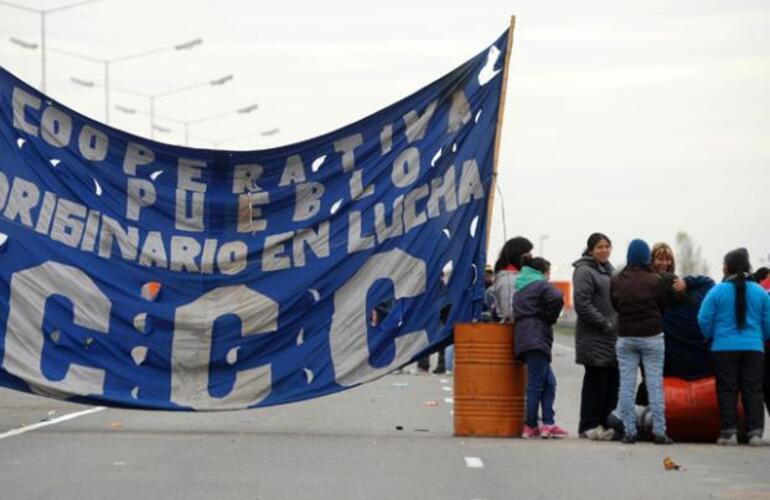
[536,307]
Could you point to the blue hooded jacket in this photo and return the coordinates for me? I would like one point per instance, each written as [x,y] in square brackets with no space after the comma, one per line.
[717,318]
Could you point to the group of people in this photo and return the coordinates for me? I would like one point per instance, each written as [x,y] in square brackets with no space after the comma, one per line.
[641,316]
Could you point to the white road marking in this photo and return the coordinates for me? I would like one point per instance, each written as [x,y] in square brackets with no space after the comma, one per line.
[447,388]
[570,349]
[444,380]
[449,400]
[474,462]
[63,418]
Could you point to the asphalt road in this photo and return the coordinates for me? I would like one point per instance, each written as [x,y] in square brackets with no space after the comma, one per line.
[391,439]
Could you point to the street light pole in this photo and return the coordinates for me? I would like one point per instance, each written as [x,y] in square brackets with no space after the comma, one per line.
[187,123]
[43,13]
[106,92]
[502,211]
[543,237]
[213,83]
[108,62]
[42,49]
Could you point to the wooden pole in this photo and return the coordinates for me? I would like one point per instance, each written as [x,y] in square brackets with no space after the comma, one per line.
[500,115]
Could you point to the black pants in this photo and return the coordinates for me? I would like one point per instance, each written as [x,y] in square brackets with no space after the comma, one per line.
[599,396]
[740,371]
[424,362]
[766,382]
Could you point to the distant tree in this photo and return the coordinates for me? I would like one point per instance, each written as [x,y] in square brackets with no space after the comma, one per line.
[689,261]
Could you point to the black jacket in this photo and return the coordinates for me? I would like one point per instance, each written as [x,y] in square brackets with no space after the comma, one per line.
[639,296]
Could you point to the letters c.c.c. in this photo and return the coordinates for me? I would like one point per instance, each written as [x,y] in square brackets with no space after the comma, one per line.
[24,337]
[348,335]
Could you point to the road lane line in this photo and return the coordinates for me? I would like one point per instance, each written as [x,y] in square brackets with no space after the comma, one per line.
[570,349]
[474,462]
[63,418]
[449,400]
[447,388]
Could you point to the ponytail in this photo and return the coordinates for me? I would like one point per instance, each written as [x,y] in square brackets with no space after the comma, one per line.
[740,300]
[738,267]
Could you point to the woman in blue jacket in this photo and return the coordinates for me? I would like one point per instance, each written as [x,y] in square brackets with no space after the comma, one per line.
[735,317]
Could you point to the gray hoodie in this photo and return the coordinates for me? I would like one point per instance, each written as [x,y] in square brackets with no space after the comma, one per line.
[595,332]
[503,289]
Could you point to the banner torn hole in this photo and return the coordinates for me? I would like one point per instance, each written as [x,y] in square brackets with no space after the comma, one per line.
[474,226]
[232,355]
[318,162]
[436,157]
[488,71]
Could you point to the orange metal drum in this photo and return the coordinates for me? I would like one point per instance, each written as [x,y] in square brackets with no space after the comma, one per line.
[489,384]
[692,411]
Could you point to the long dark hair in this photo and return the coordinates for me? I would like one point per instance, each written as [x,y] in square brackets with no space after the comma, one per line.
[594,240]
[512,251]
[738,269]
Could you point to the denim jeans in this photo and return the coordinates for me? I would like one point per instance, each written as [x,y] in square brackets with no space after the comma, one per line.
[541,387]
[649,351]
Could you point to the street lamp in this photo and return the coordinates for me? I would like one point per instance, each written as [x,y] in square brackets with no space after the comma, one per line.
[266,133]
[43,13]
[187,123]
[214,83]
[241,111]
[107,62]
[152,97]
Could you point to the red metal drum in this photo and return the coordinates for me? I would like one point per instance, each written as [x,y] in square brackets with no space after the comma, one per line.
[692,410]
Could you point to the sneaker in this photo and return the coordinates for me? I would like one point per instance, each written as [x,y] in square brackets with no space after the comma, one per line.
[592,434]
[530,432]
[439,370]
[662,439]
[727,438]
[606,435]
[629,439]
[553,431]
[756,441]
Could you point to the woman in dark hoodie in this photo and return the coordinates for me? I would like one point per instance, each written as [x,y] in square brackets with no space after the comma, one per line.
[595,337]
[639,295]
[536,307]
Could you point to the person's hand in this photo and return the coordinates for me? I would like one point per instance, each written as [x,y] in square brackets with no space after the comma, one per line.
[679,285]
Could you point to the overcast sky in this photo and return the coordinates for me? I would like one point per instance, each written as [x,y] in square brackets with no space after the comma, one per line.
[637,119]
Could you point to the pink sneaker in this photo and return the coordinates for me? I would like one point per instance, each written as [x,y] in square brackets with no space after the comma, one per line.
[553,431]
[530,432]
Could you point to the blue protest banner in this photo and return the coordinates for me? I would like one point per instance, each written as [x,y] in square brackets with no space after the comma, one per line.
[136,273]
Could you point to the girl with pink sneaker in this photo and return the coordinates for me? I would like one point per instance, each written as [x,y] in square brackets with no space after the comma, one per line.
[536,307]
